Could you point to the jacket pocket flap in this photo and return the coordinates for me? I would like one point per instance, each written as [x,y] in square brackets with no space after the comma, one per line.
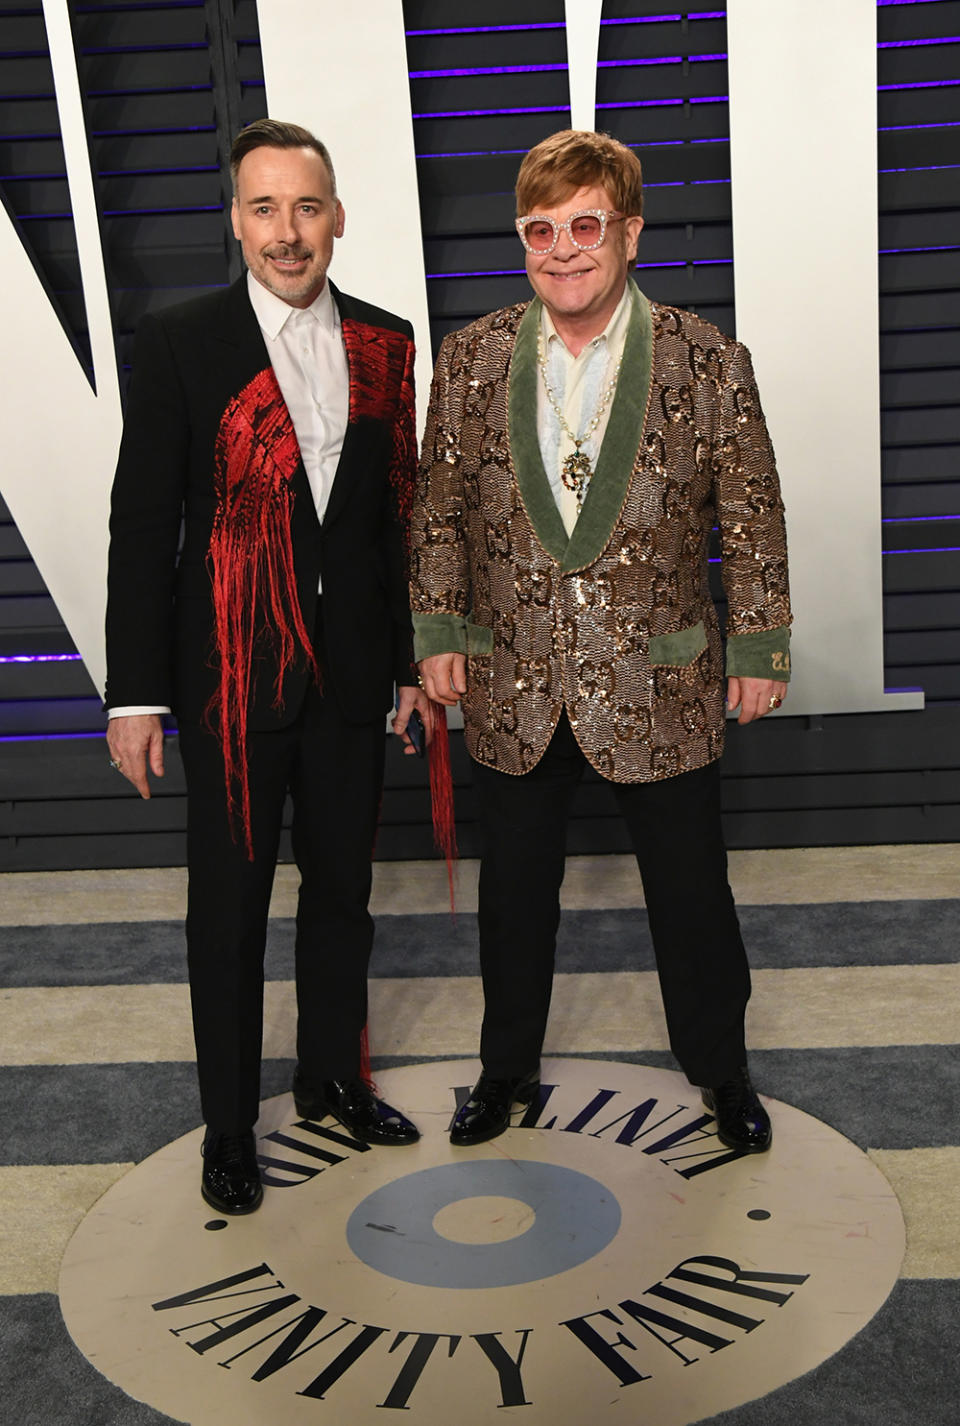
[680,648]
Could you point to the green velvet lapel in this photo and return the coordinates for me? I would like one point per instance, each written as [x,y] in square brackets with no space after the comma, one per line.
[608,488]
[621,440]
[528,468]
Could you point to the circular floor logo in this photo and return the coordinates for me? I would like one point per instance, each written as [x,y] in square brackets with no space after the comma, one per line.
[606,1257]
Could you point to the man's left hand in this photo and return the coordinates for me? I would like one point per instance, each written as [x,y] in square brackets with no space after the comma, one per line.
[410,698]
[754,696]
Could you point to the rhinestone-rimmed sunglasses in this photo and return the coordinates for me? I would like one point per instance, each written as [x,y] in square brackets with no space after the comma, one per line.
[586,230]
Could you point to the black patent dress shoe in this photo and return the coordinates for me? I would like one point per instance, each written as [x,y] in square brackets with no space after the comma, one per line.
[354,1105]
[231,1176]
[742,1121]
[487,1112]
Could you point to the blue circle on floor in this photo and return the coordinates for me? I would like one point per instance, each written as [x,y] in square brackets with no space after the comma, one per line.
[392,1229]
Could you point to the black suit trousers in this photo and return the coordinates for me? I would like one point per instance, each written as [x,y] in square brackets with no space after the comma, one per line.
[333,771]
[677,838]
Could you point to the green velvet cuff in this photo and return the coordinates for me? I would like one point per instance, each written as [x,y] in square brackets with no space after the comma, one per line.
[762,655]
[479,639]
[438,634]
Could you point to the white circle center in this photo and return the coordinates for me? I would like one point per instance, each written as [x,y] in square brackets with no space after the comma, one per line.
[484,1219]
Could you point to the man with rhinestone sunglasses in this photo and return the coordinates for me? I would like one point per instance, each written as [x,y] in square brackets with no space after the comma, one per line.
[578,451]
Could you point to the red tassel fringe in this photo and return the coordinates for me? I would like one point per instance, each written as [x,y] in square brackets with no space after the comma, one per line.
[441,794]
[251,567]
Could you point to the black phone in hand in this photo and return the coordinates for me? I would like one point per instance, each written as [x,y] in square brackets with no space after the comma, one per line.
[417,734]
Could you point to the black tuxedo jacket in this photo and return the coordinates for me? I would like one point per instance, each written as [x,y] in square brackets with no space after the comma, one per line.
[190,361]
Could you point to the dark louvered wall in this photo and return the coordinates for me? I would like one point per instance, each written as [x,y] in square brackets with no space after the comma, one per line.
[167,82]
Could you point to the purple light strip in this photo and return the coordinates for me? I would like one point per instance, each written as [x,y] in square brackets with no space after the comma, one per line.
[560,25]
[499,153]
[658,19]
[39,658]
[915,519]
[486,113]
[929,550]
[45,737]
[114,173]
[940,248]
[920,84]
[554,68]
[922,168]
[643,104]
[474,153]
[125,213]
[487,29]
[487,69]
[144,49]
[906,44]
[492,272]
[914,128]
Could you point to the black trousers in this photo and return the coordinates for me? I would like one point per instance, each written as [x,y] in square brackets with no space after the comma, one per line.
[677,838]
[333,771]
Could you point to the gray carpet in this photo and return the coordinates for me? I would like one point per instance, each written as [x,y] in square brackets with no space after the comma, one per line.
[891,1097]
[824,934]
[902,1370]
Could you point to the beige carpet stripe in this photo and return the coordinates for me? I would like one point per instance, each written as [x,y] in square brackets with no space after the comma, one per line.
[40,1207]
[789,876]
[925,1181]
[609,1011]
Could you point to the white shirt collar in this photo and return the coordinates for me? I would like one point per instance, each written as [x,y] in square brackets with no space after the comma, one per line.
[613,332]
[272,313]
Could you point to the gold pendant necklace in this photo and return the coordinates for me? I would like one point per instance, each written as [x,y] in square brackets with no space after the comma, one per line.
[576,470]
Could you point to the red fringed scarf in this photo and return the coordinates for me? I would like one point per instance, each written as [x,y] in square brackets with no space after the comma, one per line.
[251,569]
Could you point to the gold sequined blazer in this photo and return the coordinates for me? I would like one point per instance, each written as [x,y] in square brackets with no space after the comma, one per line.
[616,621]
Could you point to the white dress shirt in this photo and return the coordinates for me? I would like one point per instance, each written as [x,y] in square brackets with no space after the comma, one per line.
[577,384]
[306,351]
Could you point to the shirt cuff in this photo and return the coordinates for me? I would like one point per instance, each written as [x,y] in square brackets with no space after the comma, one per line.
[762,655]
[135,710]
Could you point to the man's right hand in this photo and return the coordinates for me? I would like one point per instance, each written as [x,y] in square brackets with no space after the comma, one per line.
[136,743]
[444,677]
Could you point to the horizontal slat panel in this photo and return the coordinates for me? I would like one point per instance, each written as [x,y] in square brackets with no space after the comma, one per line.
[906,501]
[140,25]
[936,426]
[44,680]
[50,715]
[920,388]
[939,610]
[929,646]
[901,351]
[923,21]
[32,611]
[919,463]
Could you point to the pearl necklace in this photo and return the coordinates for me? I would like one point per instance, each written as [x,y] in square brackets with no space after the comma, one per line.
[576,470]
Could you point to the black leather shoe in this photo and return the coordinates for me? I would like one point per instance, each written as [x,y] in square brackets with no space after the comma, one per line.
[742,1121]
[231,1177]
[487,1112]
[354,1105]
